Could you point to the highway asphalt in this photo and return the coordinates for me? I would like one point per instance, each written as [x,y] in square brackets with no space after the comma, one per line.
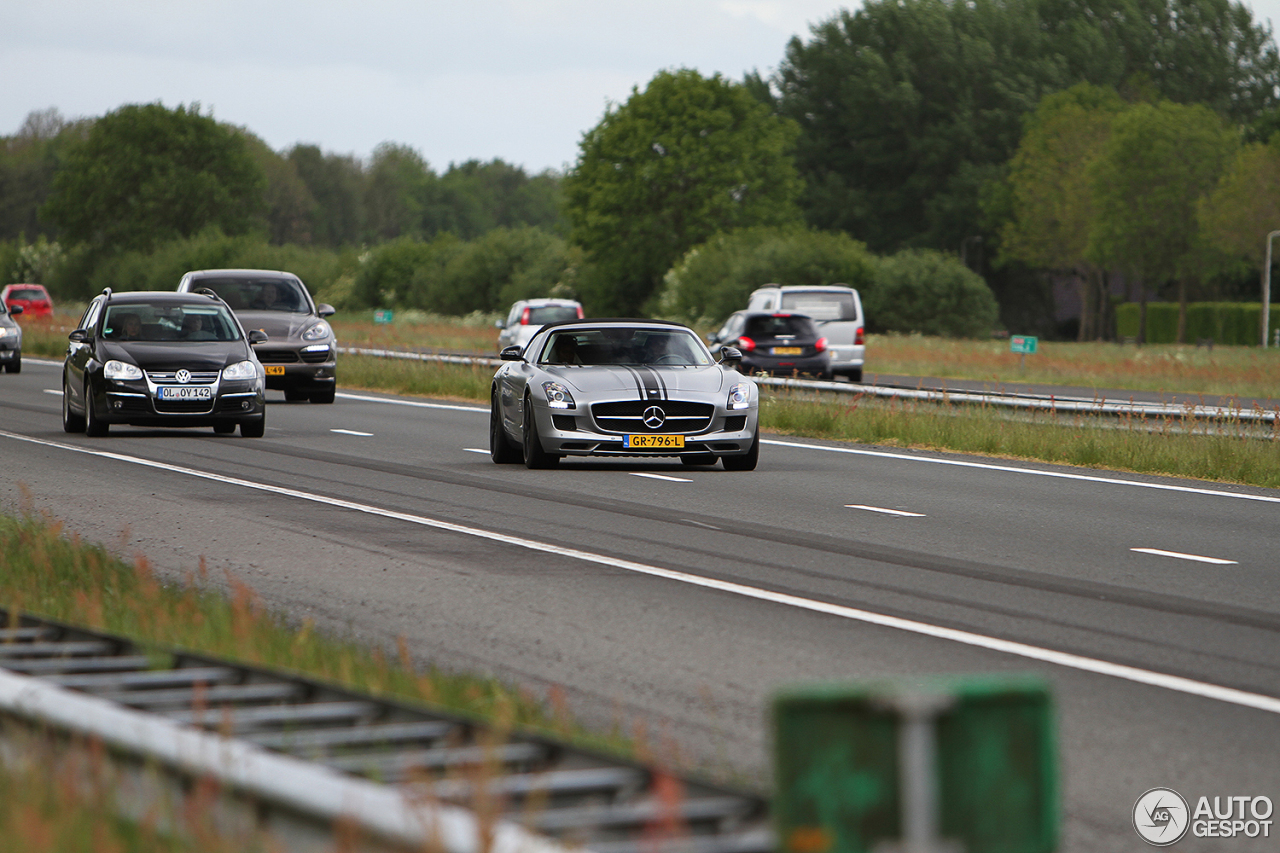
[675,601]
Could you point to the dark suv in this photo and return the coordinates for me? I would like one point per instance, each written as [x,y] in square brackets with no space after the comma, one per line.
[301,353]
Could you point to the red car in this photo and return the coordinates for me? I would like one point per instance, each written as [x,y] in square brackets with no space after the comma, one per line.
[33,298]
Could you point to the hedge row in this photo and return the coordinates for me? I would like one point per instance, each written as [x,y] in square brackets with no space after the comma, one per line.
[1226,323]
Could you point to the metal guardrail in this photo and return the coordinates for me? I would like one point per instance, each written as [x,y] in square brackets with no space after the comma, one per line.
[1030,402]
[297,756]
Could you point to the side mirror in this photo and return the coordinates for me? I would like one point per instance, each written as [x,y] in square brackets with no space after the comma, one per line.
[499,324]
[15,310]
[80,336]
[512,353]
[730,355]
[324,309]
[257,336]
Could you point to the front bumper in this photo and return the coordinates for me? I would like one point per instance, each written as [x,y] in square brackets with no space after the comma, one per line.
[294,368]
[573,433]
[134,403]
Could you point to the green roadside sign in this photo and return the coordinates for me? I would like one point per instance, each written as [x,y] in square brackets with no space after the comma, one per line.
[930,763]
[383,315]
[1025,344]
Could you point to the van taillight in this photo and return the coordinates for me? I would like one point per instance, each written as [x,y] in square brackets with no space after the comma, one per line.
[857,336]
[524,317]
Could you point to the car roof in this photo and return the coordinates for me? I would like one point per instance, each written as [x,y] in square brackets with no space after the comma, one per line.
[137,297]
[239,273]
[541,302]
[826,287]
[615,321]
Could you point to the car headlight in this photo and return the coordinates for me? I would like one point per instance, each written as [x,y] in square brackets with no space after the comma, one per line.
[317,332]
[6,332]
[240,370]
[121,370]
[558,396]
[739,396]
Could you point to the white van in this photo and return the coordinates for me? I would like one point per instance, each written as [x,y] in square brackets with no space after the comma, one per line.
[836,309]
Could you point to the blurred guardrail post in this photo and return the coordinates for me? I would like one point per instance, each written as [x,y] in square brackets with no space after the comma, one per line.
[945,765]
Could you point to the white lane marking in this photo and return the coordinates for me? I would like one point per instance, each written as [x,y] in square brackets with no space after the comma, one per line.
[1181,556]
[700,524]
[352,432]
[476,450]
[418,404]
[660,477]
[902,513]
[57,391]
[1135,674]
[1009,469]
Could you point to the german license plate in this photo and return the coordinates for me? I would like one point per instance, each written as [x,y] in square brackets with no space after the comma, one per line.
[186,392]
[275,370]
[787,350]
[653,441]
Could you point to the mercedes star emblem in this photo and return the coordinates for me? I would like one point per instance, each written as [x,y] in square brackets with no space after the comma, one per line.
[654,417]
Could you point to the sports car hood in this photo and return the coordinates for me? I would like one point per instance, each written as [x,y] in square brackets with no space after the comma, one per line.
[621,383]
[279,325]
[213,355]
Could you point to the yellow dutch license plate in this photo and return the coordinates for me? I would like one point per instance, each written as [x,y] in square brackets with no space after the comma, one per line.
[787,350]
[653,442]
[275,370]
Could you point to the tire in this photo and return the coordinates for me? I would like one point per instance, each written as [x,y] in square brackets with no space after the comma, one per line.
[747,461]
[501,450]
[295,397]
[534,455]
[14,366]
[224,427]
[855,375]
[324,397]
[255,428]
[92,425]
[699,459]
[71,422]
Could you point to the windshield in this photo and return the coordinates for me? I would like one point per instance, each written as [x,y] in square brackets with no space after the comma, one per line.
[26,293]
[156,322]
[549,314]
[780,325]
[821,305]
[658,347]
[258,294]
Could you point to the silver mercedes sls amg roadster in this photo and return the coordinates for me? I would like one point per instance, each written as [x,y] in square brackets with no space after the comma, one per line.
[622,388]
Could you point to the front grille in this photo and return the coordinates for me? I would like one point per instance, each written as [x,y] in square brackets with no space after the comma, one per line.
[184,407]
[169,377]
[627,416]
[735,423]
[278,356]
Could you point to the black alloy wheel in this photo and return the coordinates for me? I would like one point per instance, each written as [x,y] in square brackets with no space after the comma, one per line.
[224,427]
[746,461]
[71,422]
[93,426]
[501,450]
[295,397]
[14,366]
[324,397]
[255,428]
[534,455]
[699,459]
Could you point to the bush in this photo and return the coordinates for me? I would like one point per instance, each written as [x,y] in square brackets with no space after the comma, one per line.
[924,291]
[715,278]
[1226,323]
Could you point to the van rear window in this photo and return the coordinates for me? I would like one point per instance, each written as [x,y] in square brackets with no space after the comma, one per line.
[820,305]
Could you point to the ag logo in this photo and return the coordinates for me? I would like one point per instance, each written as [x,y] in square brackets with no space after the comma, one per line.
[1161,817]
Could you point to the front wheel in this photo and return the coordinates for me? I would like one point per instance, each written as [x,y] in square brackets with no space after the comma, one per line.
[71,422]
[224,427]
[534,455]
[255,428]
[14,366]
[93,425]
[699,459]
[500,448]
[324,397]
[747,461]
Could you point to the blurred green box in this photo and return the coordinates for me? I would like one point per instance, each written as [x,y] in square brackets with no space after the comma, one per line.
[383,315]
[838,778]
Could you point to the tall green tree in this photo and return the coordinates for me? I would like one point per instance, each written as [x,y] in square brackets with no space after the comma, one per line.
[1051,195]
[336,182]
[1159,162]
[28,162]
[476,197]
[686,158]
[399,191]
[146,174]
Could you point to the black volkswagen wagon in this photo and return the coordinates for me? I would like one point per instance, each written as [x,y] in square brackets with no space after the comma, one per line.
[162,359]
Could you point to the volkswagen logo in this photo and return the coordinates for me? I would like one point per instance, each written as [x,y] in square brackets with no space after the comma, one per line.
[654,417]
[183,376]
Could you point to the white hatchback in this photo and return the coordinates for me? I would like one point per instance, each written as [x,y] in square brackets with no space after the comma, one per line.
[527,316]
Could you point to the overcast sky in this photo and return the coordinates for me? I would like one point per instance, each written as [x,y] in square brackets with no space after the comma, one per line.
[456,79]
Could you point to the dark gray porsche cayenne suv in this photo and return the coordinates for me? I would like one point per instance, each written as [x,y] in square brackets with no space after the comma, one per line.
[162,359]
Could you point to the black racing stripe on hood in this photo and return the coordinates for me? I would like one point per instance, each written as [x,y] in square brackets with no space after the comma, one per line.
[653,387]
[635,377]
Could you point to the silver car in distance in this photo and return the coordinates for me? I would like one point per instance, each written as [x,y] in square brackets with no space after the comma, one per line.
[622,388]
